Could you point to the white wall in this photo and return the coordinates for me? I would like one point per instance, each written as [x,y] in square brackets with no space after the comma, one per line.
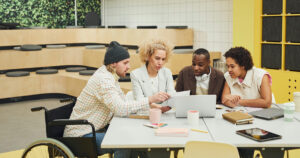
[210,19]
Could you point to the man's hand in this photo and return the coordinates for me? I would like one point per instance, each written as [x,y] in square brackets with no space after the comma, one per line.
[165,109]
[159,97]
[154,105]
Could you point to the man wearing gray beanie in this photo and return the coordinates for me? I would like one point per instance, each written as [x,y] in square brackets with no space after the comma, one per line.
[102,98]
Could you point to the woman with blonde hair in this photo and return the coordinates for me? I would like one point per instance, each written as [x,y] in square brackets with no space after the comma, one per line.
[153,77]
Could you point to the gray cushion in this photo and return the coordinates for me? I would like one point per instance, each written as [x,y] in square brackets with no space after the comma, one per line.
[75,69]
[91,26]
[87,72]
[74,27]
[117,26]
[17,73]
[17,48]
[47,71]
[147,27]
[37,27]
[56,46]
[30,47]
[95,46]
[183,51]
[176,27]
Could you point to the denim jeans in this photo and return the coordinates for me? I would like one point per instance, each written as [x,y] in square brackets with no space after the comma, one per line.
[246,153]
[119,153]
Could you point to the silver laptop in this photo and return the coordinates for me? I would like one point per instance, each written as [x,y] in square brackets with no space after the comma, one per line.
[268,114]
[205,104]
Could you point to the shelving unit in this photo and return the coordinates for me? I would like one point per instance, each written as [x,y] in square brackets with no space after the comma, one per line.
[280,41]
[279,44]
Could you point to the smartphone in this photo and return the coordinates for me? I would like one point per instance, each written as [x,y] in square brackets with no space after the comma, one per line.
[258,134]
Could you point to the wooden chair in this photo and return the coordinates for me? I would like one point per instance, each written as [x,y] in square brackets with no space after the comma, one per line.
[198,149]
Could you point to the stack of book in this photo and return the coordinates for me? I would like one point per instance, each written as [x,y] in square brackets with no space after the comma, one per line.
[238,117]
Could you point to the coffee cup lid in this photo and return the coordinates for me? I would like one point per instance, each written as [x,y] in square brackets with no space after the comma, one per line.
[290,104]
[297,94]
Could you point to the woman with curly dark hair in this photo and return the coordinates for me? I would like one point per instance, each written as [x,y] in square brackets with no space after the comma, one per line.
[245,84]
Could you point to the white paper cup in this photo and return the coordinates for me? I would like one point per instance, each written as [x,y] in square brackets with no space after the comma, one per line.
[289,111]
[193,118]
[297,101]
[154,115]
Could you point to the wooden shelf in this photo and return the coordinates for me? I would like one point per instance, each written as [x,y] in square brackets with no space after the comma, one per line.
[70,83]
[14,59]
[178,37]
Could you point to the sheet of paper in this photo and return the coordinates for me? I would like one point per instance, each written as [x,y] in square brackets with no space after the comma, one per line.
[170,102]
[182,93]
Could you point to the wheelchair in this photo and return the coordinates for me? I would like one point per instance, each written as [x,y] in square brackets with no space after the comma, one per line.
[57,146]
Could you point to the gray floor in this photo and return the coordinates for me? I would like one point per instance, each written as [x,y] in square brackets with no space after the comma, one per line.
[19,126]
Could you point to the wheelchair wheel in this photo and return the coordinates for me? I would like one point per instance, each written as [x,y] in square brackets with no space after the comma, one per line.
[47,148]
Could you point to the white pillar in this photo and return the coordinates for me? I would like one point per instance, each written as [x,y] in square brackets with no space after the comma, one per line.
[75,8]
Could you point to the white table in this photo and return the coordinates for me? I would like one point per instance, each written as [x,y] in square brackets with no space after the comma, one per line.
[131,133]
[224,131]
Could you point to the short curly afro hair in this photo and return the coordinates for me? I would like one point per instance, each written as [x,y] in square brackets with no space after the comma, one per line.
[241,56]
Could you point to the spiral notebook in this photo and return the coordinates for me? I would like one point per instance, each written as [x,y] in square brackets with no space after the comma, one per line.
[238,117]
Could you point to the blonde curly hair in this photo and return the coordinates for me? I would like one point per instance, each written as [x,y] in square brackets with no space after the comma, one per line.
[147,49]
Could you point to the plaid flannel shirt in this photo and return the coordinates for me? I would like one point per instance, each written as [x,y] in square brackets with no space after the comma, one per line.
[99,101]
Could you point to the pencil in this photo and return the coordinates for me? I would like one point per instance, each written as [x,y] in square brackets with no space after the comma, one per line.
[197,130]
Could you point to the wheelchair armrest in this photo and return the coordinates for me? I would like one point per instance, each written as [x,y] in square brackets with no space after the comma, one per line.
[38,109]
[63,122]
[67,100]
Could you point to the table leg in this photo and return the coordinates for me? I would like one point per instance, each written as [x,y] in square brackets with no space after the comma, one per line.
[272,152]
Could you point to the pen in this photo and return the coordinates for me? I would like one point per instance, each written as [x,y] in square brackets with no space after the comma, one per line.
[197,130]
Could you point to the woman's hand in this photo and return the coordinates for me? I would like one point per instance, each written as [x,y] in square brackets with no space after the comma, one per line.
[231,100]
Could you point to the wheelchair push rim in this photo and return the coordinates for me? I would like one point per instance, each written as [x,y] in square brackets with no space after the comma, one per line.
[48,148]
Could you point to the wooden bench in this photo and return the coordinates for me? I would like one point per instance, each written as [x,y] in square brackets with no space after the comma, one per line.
[14,59]
[73,83]
[133,37]
[63,82]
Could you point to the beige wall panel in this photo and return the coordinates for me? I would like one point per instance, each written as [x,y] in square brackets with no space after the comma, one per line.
[19,86]
[52,83]
[70,83]
[135,61]
[93,57]
[71,55]
[13,59]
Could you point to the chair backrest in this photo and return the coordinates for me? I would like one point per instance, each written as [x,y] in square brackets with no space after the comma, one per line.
[195,149]
[273,99]
[92,19]
[62,112]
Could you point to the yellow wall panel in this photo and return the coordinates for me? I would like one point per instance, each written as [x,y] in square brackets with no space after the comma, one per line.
[243,24]
[247,33]
[284,84]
